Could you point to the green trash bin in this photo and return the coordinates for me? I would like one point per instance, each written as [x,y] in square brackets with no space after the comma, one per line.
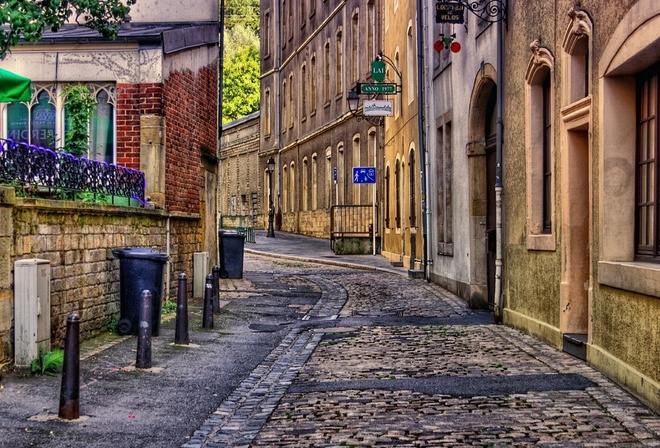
[231,245]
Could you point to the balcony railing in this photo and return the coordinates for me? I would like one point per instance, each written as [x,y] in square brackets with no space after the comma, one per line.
[43,172]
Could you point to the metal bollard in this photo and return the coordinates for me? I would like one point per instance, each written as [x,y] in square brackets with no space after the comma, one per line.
[181,332]
[216,289]
[70,390]
[207,320]
[143,357]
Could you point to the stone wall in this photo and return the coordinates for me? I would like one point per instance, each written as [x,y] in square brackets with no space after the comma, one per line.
[242,195]
[78,240]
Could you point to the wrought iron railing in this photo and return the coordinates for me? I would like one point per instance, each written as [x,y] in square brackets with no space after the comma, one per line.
[352,221]
[57,174]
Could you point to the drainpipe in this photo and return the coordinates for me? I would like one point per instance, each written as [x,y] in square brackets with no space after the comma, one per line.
[499,297]
[420,118]
[168,235]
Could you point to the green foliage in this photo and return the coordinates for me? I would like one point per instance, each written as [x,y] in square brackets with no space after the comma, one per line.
[80,105]
[241,68]
[242,12]
[96,198]
[111,326]
[241,84]
[47,362]
[169,307]
[237,38]
[29,19]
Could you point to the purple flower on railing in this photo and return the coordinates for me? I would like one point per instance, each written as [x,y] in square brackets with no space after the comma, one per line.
[37,167]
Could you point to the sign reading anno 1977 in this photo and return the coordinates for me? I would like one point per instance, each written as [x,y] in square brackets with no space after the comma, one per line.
[449,12]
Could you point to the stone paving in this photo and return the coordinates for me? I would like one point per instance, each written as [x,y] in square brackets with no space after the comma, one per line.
[350,374]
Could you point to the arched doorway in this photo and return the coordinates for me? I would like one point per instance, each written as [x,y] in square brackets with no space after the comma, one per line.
[481,162]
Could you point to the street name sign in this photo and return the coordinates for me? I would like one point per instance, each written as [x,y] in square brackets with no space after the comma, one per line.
[384,88]
[364,175]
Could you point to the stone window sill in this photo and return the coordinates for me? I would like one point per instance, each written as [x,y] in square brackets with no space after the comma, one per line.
[635,276]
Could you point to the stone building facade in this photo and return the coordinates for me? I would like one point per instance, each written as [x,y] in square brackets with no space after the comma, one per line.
[521,174]
[402,186]
[460,132]
[243,193]
[157,110]
[313,53]
[580,183]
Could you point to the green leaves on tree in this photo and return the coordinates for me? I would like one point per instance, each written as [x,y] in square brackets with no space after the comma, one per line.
[29,19]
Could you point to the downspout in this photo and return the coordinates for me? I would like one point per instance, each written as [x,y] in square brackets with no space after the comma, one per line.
[168,235]
[420,119]
[499,297]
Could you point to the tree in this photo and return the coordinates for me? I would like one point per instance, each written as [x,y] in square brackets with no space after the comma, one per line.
[29,19]
[240,59]
[241,89]
[243,12]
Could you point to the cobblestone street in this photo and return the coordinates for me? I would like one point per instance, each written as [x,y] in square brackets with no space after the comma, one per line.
[313,350]
[382,360]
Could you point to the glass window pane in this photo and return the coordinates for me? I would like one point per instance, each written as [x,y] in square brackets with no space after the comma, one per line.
[101,130]
[17,122]
[43,122]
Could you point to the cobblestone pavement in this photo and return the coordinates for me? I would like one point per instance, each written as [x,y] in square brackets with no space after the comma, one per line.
[383,360]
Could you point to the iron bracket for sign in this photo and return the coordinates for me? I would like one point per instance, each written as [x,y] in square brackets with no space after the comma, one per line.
[388,61]
[487,10]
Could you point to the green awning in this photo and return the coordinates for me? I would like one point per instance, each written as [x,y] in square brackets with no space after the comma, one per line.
[13,87]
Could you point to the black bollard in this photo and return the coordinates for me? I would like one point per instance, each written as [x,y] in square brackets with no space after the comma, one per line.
[181,331]
[143,358]
[70,391]
[207,320]
[216,289]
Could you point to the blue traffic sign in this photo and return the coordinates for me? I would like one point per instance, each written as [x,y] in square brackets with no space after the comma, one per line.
[364,175]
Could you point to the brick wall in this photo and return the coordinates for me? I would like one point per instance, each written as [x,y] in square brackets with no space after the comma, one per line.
[191,125]
[128,125]
[78,239]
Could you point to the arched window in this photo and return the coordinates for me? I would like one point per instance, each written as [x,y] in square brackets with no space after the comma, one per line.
[292,187]
[412,167]
[398,179]
[328,177]
[356,163]
[315,182]
[387,197]
[305,184]
[539,144]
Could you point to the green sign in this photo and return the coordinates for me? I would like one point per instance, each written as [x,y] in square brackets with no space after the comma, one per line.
[385,88]
[378,70]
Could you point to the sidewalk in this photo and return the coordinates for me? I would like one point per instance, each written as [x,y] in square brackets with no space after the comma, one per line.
[304,248]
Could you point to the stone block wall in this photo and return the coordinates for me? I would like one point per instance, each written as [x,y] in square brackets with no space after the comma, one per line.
[242,195]
[78,240]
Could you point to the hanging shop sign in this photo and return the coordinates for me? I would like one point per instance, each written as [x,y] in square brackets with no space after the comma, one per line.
[449,12]
[377,108]
[377,89]
[378,70]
